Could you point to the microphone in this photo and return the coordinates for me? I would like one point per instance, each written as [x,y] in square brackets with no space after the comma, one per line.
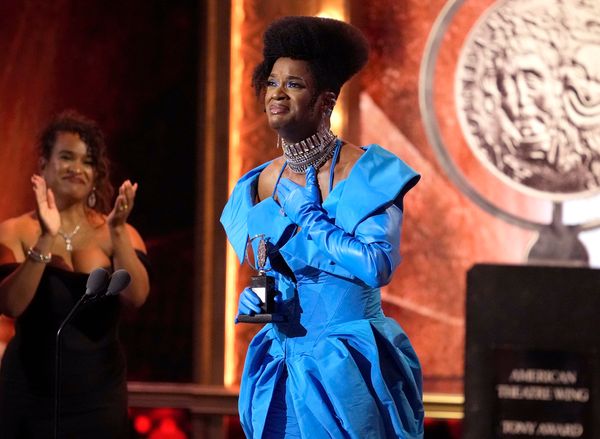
[95,286]
[119,280]
[96,283]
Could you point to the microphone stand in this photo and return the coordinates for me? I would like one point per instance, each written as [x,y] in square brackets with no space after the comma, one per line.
[96,288]
[57,365]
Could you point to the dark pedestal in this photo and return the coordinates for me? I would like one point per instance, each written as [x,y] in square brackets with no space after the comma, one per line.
[532,366]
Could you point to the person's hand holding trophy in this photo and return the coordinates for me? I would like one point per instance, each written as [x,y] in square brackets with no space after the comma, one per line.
[257,302]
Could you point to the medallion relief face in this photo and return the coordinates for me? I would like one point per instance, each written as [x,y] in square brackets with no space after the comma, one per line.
[527,95]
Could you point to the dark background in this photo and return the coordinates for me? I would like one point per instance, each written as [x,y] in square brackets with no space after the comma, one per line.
[133,67]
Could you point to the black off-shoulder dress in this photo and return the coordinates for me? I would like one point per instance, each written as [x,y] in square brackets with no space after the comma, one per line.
[93,368]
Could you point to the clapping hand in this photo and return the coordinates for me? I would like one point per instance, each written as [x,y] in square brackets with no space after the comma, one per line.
[46,209]
[123,204]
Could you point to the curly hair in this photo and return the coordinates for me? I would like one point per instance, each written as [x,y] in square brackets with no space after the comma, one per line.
[334,50]
[71,121]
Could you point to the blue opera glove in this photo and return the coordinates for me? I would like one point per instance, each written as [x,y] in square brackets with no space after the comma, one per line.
[295,200]
[371,253]
[249,303]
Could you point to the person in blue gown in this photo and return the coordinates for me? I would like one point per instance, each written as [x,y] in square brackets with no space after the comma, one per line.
[330,215]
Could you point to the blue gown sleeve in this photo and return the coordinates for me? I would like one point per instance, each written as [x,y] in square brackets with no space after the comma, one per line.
[371,254]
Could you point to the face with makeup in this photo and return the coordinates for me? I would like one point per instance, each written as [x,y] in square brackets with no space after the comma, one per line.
[294,107]
[69,170]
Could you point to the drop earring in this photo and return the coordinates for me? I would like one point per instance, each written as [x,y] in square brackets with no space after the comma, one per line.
[91,200]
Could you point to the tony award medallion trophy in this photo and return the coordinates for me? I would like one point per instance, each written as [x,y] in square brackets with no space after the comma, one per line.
[263,285]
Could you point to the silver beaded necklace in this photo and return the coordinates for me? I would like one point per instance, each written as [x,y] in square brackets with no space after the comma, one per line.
[313,151]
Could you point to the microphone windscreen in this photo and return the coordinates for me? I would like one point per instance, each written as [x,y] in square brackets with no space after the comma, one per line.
[96,282]
[119,280]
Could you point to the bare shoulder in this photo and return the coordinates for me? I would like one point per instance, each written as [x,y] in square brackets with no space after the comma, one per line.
[23,227]
[268,178]
[15,234]
[136,238]
[349,155]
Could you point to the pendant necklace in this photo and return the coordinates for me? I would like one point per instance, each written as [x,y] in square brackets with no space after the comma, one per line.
[68,237]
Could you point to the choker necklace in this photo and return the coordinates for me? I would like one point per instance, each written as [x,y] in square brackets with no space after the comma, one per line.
[68,237]
[313,151]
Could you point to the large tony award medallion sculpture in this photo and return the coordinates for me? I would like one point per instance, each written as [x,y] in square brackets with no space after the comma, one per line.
[527,100]
[262,284]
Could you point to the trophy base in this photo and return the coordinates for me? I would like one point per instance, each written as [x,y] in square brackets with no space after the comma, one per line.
[260,318]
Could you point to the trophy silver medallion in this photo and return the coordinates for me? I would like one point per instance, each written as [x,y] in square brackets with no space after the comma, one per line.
[527,97]
[263,285]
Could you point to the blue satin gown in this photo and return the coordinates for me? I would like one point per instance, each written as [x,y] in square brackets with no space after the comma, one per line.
[337,368]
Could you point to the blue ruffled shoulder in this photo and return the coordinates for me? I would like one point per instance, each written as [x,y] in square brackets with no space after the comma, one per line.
[377,180]
[235,214]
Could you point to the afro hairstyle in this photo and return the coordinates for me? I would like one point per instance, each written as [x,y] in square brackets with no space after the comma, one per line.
[334,50]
